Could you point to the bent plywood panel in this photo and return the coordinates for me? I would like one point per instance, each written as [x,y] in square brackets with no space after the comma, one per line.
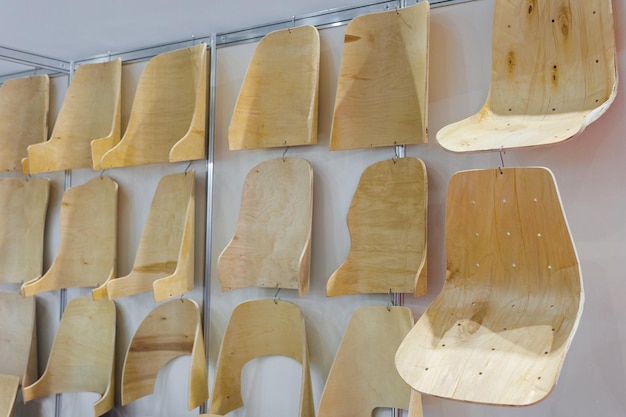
[553,73]
[168,119]
[90,111]
[24,104]
[18,337]
[272,244]
[387,222]
[278,101]
[23,214]
[87,248]
[382,95]
[9,385]
[499,330]
[165,257]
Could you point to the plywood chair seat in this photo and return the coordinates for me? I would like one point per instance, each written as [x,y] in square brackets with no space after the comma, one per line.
[387,222]
[164,262]
[260,328]
[272,243]
[382,93]
[171,330]
[553,73]
[499,330]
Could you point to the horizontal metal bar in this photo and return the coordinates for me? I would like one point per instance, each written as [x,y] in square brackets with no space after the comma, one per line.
[33,60]
[31,72]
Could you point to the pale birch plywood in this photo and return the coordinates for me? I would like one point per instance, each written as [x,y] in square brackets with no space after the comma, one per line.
[23,213]
[169,114]
[278,101]
[387,223]
[90,111]
[272,243]
[363,376]
[88,240]
[18,337]
[171,330]
[24,104]
[9,385]
[382,94]
[164,262]
[82,355]
[260,328]
[553,73]
[500,329]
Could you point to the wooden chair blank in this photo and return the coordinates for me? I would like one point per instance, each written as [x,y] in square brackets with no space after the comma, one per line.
[171,330]
[164,262]
[24,104]
[87,248]
[23,214]
[382,94]
[260,328]
[272,244]
[363,376]
[90,111]
[553,72]
[168,118]
[500,329]
[81,359]
[387,222]
[278,101]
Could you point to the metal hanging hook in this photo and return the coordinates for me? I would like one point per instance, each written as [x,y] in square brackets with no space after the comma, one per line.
[293,23]
[501,159]
[187,168]
[276,298]
[391,302]
[285,153]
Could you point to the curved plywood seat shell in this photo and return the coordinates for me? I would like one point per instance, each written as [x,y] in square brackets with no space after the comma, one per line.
[499,330]
[18,337]
[382,94]
[165,257]
[272,244]
[363,376]
[168,118]
[278,101]
[87,248]
[82,354]
[9,385]
[260,328]
[23,214]
[24,104]
[90,111]
[171,330]
[553,73]
[387,222]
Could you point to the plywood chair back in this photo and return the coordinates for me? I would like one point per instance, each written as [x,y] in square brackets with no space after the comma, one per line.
[500,329]
[171,330]
[82,355]
[23,214]
[260,328]
[165,257]
[363,376]
[88,239]
[18,337]
[382,94]
[553,73]
[278,101]
[387,222]
[90,111]
[168,118]
[272,244]
[24,104]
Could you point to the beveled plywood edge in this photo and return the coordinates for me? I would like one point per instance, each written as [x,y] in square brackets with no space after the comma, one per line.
[198,375]
[9,385]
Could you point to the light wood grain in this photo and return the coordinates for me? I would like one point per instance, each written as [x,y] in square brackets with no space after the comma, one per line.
[171,330]
[500,329]
[23,214]
[272,243]
[382,94]
[278,101]
[260,328]
[553,73]
[18,337]
[9,385]
[387,223]
[88,237]
[90,111]
[363,375]
[82,356]
[168,118]
[165,257]
[24,104]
